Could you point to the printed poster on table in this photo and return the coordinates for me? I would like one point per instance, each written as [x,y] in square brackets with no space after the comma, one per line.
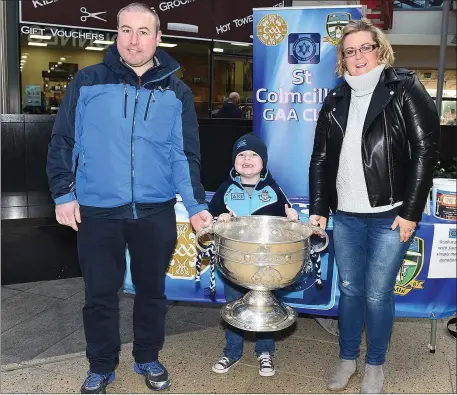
[443,257]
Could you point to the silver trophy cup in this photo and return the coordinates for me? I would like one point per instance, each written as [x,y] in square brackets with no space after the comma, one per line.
[261,253]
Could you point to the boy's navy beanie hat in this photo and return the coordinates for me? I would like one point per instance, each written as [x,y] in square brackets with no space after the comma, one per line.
[250,142]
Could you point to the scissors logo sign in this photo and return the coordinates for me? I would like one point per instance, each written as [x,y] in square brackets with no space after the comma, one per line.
[94,15]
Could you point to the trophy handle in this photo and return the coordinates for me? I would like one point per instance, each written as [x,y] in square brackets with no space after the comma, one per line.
[323,235]
[202,232]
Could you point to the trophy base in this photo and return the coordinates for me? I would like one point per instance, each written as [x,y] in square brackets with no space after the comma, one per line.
[258,311]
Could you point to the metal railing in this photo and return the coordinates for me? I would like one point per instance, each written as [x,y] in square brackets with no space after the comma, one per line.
[380,12]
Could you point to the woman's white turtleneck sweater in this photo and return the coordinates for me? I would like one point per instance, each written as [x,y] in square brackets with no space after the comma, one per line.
[350,182]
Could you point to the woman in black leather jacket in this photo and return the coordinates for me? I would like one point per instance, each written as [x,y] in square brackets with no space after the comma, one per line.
[375,148]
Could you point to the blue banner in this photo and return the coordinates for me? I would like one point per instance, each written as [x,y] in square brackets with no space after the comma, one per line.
[294,69]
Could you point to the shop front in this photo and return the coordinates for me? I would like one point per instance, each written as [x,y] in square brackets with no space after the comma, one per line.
[212,41]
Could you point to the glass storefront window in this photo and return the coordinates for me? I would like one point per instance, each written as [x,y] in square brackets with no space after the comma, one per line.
[51,56]
[448,112]
[194,58]
[429,79]
[233,72]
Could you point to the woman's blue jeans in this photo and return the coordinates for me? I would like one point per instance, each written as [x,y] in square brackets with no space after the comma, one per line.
[235,337]
[368,255]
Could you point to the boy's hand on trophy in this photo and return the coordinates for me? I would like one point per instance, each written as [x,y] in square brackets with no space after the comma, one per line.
[291,213]
[225,217]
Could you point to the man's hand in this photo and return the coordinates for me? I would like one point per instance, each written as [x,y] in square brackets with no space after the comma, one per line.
[406,228]
[201,219]
[317,220]
[68,214]
[291,213]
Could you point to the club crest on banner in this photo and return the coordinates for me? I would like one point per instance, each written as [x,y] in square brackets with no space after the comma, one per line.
[271,29]
[412,264]
[335,24]
[304,48]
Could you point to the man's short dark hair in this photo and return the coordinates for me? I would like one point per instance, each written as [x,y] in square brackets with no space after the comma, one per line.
[140,7]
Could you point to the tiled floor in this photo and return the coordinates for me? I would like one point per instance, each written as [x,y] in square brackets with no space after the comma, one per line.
[43,350]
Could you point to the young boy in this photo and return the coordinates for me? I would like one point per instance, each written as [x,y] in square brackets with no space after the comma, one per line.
[250,190]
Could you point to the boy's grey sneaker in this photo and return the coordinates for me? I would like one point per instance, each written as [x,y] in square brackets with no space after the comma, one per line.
[224,364]
[341,374]
[155,375]
[266,368]
[373,380]
[96,383]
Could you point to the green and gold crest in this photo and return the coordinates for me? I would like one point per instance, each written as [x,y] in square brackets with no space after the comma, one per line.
[335,24]
[412,264]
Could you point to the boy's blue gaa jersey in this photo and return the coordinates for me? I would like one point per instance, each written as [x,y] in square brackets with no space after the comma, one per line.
[267,198]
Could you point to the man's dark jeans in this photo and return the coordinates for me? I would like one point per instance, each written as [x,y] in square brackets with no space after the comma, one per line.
[101,248]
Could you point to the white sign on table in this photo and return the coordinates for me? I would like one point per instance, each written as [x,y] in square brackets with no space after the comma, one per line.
[444,252]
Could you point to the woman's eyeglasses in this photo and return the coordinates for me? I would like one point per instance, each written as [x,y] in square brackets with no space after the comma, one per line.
[365,48]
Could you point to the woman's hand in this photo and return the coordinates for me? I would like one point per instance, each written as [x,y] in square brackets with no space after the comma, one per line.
[406,228]
[291,213]
[318,220]
[225,217]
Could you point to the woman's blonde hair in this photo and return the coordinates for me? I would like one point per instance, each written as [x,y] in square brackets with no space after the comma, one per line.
[386,54]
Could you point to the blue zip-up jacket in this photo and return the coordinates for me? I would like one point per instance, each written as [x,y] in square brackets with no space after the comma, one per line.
[267,198]
[121,140]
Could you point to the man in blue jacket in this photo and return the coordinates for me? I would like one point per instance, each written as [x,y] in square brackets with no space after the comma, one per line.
[124,141]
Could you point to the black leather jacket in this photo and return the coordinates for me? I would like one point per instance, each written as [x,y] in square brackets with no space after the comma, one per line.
[400,141]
